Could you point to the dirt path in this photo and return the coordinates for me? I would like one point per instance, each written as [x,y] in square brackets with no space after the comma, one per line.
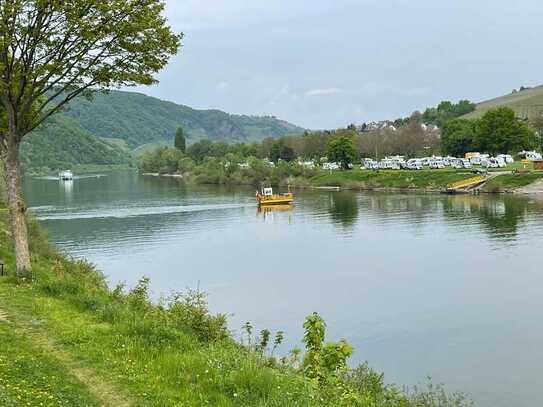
[106,393]
[535,188]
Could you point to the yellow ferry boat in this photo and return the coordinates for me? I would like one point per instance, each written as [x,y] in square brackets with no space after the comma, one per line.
[267,197]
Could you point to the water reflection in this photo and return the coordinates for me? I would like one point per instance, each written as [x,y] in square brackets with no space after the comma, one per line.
[343,208]
[401,211]
[67,189]
[500,216]
[273,208]
[268,213]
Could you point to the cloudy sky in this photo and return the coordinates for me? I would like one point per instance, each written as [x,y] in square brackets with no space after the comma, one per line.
[326,63]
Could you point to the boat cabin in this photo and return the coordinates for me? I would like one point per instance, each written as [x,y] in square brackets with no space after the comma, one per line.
[66,175]
[267,191]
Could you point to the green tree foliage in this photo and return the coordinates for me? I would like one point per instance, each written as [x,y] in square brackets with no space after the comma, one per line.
[459,137]
[165,160]
[315,328]
[341,150]
[232,167]
[281,151]
[315,144]
[64,144]
[322,361]
[200,150]
[537,124]
[500,131]
[207,148]
[446,111]
[179,142]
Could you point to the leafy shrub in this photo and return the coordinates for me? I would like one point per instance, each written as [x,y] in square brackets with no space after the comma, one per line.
[323,361]
[38,241]
[190,311]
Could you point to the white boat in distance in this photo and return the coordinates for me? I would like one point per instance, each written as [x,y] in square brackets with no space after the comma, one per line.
[66,175]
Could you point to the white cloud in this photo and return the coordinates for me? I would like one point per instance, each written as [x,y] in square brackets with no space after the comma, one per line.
[323,92]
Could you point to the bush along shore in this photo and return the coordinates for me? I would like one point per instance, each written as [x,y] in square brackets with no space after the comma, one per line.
[68,339]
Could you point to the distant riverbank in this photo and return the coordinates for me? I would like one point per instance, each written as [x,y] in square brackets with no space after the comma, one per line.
[424,180]
[81,169]
[383,180]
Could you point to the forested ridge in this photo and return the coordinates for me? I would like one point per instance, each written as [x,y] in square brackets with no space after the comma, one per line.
[63,143]
[79,134]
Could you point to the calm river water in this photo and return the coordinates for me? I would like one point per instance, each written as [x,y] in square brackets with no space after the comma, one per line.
[422,285]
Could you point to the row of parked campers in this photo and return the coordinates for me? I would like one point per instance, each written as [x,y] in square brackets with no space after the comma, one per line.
[500,161]
[399,163]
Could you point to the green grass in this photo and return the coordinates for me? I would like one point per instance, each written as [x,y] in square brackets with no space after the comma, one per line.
[151,365]
[508,182]
[30,375]
[391,179]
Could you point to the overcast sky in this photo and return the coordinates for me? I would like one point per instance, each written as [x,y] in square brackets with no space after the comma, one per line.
[325,64]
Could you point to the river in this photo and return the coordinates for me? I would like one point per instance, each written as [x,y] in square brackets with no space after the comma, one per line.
[420,284]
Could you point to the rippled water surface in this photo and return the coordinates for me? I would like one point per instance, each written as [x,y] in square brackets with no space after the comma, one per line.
[422,285]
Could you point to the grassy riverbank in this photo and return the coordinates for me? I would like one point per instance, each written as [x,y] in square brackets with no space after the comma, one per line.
[229,168]
[383,180]
[512,182]
[429,180]
[69,340]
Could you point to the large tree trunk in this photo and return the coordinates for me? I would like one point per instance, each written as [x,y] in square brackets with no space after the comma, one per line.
[17,207]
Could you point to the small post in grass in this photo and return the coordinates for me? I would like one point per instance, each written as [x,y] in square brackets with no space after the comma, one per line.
[1,269]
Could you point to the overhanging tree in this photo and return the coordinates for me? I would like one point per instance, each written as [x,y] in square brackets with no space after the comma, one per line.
[52,51]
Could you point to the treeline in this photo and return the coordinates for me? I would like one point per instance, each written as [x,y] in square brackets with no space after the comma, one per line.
[287,157]
[232,168]
[411,139]
[438,116]
[499,131]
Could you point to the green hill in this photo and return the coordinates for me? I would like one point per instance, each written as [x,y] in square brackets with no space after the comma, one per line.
[63,143]
[139,119]
[106,129]
[527,103]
